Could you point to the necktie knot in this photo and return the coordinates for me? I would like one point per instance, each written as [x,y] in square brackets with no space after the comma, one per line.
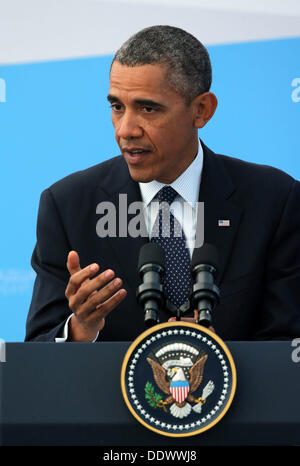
[166,194]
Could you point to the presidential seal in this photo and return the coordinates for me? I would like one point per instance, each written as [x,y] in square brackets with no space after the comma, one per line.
[178,379]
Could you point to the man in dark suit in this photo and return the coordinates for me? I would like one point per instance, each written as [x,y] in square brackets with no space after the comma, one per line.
[159,93]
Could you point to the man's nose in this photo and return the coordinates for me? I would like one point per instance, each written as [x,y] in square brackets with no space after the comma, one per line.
[128,126]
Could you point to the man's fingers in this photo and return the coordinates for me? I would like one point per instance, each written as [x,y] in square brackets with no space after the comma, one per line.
[90,299]
[184,319]
[106,307]
[88,287]
[190,319]
[94,321]
[193,320]
[96,300]
[78,278]
[73,263]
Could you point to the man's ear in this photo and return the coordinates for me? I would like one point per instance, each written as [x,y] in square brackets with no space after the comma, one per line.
[204,107]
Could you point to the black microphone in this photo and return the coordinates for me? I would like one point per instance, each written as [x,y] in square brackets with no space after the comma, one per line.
[150,294]
[205,294]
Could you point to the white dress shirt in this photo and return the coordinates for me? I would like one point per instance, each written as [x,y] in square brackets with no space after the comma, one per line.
[184,207]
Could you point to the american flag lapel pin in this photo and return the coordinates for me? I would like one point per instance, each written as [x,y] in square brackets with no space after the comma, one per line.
[223,223]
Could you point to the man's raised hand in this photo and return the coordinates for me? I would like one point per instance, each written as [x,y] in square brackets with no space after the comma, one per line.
[90,299]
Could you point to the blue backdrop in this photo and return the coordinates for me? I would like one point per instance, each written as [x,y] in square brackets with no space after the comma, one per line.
[54,120]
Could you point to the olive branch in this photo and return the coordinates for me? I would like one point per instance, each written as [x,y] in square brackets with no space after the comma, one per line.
[154,399]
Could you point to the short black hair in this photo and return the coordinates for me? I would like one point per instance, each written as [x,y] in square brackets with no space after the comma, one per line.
[188,63]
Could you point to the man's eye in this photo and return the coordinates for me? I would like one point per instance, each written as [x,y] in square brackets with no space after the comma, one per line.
[149,109]
[116,107]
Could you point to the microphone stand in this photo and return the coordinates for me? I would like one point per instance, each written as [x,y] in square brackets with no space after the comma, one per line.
[205,294]
[150,293]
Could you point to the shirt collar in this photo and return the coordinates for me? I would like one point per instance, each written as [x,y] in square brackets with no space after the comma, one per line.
[187,184]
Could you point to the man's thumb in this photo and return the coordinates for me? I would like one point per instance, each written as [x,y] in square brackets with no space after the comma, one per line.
[73,263]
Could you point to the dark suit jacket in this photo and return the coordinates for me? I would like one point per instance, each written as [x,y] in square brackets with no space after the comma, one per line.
[259,273]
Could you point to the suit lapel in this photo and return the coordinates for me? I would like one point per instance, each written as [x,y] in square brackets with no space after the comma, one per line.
[215,191]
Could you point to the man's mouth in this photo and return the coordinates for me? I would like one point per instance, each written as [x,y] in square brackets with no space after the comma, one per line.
[135,155]
[136,152]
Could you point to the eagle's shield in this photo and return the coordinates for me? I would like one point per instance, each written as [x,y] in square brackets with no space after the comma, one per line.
[179,390]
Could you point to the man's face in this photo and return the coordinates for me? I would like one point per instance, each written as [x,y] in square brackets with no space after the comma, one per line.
[154,127]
